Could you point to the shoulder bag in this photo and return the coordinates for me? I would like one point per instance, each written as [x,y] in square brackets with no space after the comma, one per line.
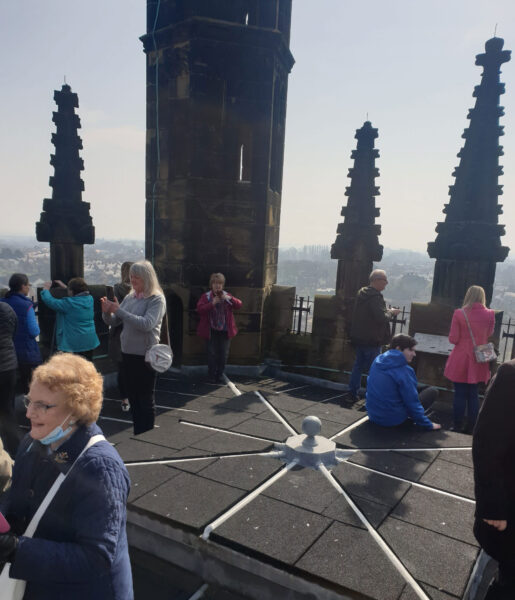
[14,589]
[483,353]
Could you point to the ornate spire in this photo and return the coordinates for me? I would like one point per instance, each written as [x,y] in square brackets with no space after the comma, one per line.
[357,245]
[65,221]
[468,243]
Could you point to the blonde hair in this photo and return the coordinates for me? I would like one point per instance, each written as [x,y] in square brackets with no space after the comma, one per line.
[216,277]
[77,380]
[145,270]
[475,293]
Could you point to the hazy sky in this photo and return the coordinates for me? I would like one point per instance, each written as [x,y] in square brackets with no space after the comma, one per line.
[409,64]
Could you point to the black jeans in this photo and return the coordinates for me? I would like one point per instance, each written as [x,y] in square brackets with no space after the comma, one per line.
[217,352]
[8,427]
[140,380]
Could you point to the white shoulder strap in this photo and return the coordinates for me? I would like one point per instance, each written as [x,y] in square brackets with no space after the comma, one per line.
[34,522]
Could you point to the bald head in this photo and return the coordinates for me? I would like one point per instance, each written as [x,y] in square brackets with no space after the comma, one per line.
[378,279]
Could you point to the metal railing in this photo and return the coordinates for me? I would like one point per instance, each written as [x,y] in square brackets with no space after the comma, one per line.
[302,318]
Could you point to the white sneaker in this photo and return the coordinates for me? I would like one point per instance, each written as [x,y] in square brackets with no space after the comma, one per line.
[125,405]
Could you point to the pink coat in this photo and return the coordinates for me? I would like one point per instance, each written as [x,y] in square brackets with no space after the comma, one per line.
[205,306]
[461,365]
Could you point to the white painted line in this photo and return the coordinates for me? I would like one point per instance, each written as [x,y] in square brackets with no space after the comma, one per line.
[276,413]
[253,437]
[333,397]
[412,449]
[300,387]
[173,408]
[232,387]
[117,420]
[392,557]
[199,593]
[168,461]
[419,485]
[242,503]
[349,428]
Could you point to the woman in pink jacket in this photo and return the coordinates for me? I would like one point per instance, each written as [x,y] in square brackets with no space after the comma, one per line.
[217,324]
[462,368]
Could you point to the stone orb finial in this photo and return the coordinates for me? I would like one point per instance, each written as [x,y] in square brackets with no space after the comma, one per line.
[311,425]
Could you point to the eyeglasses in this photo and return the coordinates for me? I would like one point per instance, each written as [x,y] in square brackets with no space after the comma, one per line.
[37,406]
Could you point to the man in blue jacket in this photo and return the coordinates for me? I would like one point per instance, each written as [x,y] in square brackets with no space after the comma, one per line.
[392,394]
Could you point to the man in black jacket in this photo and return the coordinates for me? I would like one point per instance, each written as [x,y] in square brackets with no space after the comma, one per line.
[493,454]
[8,365]
[370,327]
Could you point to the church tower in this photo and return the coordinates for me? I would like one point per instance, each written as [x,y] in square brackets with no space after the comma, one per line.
[217,76]
[357,245]
[468,244]
[65,221]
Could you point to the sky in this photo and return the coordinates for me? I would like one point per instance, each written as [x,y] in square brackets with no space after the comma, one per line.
[407,64]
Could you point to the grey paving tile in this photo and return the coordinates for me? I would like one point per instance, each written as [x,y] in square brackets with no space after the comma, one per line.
[148,477]
[369,485]
[246,472]
[393,463]
[191,466]
[329,428]
[215,416]
[273,529]
[460,457]
[450,477]
[451,517]
[340,510]
[369,435]
[133,450]
[434,594]
[115,430]
[189,500]
[435,559]
[305,488]
[349,557]
[173,434]
[262,428]
[287,402]
[333,412]
[227,443]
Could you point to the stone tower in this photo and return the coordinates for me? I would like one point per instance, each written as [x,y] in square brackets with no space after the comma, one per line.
[217,75]
[468,243]
[357,245]
[65,221]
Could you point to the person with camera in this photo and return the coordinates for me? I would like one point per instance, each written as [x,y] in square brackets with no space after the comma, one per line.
[217,324]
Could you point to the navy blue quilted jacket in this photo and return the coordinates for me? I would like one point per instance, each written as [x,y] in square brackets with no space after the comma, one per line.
[27,348]
[80,548]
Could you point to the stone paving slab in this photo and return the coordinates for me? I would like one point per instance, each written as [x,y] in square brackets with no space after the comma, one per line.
[369,485]
[393,463]
[225,443]
[171,433]
[246,472]
[305,488]
[215,416]
[340,510]
[350,558]
[434,594]
[273,529]
[271,430]
[443,514]
[329,428]
[369,435]
[334,412]
[450,477]
[286,402]
[147,478]
[458,456]
[437,560]
[189,500]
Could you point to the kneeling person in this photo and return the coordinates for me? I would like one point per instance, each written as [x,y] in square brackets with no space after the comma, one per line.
[392,395]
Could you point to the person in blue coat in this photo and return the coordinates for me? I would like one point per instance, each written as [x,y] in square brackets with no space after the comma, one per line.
[79,549]
[25,344]
[75,325]
[392,394]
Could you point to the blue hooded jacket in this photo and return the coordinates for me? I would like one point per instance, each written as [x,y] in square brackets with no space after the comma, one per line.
[27,349]
[392,395]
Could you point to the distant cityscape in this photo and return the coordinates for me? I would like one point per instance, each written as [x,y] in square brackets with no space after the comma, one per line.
[309,269]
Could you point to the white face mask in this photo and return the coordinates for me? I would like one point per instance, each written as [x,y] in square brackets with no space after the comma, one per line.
[58,433]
